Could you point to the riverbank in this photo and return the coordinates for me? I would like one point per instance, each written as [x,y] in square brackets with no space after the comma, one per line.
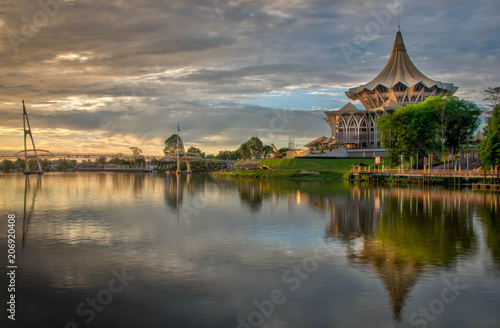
[296,168]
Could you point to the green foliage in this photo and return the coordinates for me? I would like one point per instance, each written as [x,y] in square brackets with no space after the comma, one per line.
[228,154]
[195,150]
[251,148]
[461,120]
[312,164]
[20,163]
[255,146]
[267,150]
[419,129]
[244,151]
[115,161]
[136,152]
[493,95]
[411,130]
[65,164]
[7,165]
[101,160]
[170,145]
[283,150]
[490,145]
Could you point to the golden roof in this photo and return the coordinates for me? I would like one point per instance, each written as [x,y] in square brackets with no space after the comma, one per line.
[400,69]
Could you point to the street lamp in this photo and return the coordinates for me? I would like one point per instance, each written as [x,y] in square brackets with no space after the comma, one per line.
[442,126]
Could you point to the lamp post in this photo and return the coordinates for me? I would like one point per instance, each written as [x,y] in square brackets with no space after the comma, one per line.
[442,125]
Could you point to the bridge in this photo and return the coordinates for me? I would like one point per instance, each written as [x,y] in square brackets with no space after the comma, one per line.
[30,153]
[192,157]
[179,156]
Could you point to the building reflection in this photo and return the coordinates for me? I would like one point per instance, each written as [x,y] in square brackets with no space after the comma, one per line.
[402,232]
[254,193]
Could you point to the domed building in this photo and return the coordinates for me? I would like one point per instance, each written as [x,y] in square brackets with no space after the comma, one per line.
[400,83]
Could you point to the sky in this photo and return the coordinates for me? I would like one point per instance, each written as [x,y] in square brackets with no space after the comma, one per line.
[104,76]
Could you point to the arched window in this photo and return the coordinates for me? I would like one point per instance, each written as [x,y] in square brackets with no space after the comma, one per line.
[352,126]
[363,129]
[340,134]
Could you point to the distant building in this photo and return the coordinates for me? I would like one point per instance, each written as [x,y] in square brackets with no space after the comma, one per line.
[400,83]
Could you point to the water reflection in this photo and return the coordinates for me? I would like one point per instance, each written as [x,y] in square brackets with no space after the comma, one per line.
[489,214]
[29,203]
[400,233]
[243,235]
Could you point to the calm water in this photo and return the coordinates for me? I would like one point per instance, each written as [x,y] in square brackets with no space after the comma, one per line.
[137,250]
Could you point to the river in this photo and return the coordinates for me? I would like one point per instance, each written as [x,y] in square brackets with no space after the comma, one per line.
[161,250]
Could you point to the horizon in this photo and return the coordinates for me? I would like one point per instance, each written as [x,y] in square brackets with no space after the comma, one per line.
[110,76]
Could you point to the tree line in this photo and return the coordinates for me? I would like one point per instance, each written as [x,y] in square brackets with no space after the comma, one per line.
[252,148]
[440,125]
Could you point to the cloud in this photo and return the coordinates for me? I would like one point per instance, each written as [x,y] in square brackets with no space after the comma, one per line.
[128,71]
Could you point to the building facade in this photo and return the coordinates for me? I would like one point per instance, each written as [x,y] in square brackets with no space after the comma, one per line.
[400,83]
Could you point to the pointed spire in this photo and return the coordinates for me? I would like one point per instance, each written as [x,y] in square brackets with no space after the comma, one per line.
[399,44]
[399,29]
[399,69]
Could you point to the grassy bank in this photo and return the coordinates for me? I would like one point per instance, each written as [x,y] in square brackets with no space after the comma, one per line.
[331,168]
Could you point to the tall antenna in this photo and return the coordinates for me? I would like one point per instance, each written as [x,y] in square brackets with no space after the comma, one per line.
[399,29]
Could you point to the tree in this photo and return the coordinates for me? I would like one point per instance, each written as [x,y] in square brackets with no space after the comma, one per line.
[410,131]
[8,165]
[419,129]
[493,95]
[267,150]
[490,145]
[459,119]
[255,146]
[170,145]
[194,150]
[65,164]
[228,154]
[283,150]
[101,160]
[45,163]
[244,151]
[19,162]
[136,152]
[115,161]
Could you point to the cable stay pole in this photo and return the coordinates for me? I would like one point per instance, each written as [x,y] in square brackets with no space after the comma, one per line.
[27,132]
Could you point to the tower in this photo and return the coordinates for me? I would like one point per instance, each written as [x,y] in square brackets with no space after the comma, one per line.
[400,83]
